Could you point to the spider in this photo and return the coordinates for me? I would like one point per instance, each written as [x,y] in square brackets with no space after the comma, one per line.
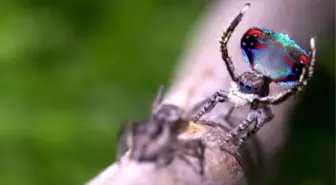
[272,57]
[156,139]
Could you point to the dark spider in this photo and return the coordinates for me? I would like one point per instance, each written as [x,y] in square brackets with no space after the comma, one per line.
[156,139]
[272,57]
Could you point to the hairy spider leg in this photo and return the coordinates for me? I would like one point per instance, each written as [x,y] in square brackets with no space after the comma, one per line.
[225,39]
[251,117]
[219,97]
[264,113]
[306,75]
[198,106]
[264,116]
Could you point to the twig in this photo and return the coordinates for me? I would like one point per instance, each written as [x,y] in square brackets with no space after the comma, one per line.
[201,73]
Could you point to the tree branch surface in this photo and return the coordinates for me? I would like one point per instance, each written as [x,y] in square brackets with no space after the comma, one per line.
[202,72]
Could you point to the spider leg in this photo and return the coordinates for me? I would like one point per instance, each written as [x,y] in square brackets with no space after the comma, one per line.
[264,116]
[125,138]
[164,158]
[189,163]
[158,98]
[228,115]
[312,56]
[224,127]
[198,106]
[225,39]
[251,117]
[219,97]
[193,148]
[306,75]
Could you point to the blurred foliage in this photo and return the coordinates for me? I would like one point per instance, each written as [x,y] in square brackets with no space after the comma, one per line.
[72,71]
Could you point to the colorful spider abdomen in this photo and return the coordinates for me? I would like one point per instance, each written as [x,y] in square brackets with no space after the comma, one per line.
[274,55]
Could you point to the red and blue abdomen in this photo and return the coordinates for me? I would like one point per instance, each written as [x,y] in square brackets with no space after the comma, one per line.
[274,55]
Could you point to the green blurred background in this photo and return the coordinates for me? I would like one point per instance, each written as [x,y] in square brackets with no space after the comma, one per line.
[71,71]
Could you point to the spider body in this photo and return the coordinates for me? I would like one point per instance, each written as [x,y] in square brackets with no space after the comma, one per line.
[273,57]
[155,140]
[251,82]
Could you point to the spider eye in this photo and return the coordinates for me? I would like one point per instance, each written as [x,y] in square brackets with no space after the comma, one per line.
[248,87]
[241,84]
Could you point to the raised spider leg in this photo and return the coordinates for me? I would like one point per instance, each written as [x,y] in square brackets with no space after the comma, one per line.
[264,116]
[312,56]
[307,73]
[225,39]
[158,98]
[219,97]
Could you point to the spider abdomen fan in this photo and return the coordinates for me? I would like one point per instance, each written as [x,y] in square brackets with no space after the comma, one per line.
[274,55]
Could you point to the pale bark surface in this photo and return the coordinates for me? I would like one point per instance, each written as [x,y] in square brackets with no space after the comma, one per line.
[202,72]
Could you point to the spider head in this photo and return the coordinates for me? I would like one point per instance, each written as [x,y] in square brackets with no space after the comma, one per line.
[167,114]
[252,82]
[147,139]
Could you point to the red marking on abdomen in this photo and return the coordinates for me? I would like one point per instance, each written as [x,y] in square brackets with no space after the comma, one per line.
[280,79]
[278,43]
[254,31]
[303,58]
[261,46]
[288,61]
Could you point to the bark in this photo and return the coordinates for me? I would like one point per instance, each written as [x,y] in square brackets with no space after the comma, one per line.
[202,72]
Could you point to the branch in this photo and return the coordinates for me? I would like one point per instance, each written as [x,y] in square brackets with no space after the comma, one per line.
[201,73]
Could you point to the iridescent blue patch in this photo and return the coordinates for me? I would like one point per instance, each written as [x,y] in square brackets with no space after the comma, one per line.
[274,55]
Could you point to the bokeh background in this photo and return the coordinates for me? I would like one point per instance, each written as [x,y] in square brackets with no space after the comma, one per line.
[72,71]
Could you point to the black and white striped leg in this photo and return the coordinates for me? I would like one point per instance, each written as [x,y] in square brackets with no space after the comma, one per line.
[251,117]
[264,116]
[198,106]
[225,39]
[219,97]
